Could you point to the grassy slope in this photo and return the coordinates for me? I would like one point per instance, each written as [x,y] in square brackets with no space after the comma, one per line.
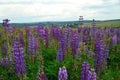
[105,23]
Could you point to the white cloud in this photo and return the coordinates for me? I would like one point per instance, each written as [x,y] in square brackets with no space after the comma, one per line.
[47,10]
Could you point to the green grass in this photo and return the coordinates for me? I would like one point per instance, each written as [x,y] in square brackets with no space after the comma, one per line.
[51,65]
[105,24]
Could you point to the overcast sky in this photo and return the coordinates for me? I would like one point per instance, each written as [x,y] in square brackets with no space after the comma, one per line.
[58,10]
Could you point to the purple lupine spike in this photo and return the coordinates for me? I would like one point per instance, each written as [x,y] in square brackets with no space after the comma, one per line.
[62,74]
[99,59]
[69,36]
[93,74]
[5,23]
[112,30]
[31,48]
[74,43]
[28,31]
[60,55]
[31,45]
[57,33]
[63,43]
[113,41]
[43,76]
[52,31]
[41,30]
[2,62]
[5,61]
[86,34]
[85,74]
[79,29]
[19,58]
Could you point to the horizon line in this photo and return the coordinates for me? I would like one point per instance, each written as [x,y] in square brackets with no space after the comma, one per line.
[67,20]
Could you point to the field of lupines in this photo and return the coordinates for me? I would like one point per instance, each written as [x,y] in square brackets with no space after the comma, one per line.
[56,53]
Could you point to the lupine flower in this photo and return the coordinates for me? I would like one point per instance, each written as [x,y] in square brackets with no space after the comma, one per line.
[113,41]
[5,61]
[74,43]
[62,74]
[85,74]
[5,23]
[41,30]
[63,44]
[93,74]
[19,58]
[28,31]
[31,45]
[112,30]
[79,29]
[41,76]
[60,55]
[31,48]
[106,53]
[58,33]
[99,59]
[52,32]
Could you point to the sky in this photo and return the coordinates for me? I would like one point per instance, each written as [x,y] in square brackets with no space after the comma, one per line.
[58,10]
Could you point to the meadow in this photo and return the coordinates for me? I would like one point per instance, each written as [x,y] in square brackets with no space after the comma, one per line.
[90,52]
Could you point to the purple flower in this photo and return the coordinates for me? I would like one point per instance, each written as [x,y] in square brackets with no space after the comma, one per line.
[5,23]
[74,43]
[19,58]
[99,58]
[43,76]
[31,45]
[85,74]
[113,41]
[92,74]
[62,74]
[60,55]
[5,61]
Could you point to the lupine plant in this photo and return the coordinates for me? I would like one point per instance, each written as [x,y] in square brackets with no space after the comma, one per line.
[20,65]
[87,73]
[62,74]
[31,48]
